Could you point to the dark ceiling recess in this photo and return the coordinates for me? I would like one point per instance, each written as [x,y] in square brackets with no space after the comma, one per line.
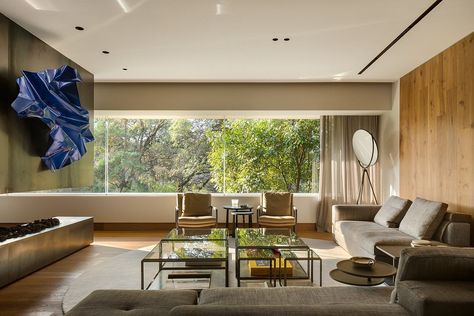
[401,35]
[274,39]
[105,52]
[79,28]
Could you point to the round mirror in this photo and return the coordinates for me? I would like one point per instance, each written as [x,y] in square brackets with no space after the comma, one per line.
[365,148]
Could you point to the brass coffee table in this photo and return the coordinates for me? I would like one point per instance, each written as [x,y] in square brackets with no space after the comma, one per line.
[348,273]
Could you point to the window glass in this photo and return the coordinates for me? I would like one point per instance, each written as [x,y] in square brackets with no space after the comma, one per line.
[204,155]
[264,154]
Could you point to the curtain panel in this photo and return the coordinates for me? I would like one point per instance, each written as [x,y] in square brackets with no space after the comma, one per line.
[340,172]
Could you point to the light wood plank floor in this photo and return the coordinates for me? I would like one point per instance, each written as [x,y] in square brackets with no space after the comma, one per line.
[41,293]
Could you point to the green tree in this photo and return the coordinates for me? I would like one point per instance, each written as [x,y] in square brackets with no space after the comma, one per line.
[263,155]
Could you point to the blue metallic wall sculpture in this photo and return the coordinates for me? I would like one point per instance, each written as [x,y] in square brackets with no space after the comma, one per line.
[51,95]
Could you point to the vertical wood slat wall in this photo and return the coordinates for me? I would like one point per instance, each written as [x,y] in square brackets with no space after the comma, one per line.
[437,129]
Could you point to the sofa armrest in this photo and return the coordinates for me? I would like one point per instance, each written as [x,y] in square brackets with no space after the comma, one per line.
[294,213]
[354,212]
[455,230]
[436,297]
[436,263]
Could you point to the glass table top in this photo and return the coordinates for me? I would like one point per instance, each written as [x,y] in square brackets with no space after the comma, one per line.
[191,244]
[267,238]
[197,234]
[199,250]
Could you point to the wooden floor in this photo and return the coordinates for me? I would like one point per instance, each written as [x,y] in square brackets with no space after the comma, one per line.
[42,292]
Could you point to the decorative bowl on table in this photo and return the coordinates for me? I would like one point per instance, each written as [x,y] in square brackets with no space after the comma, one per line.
[363,262]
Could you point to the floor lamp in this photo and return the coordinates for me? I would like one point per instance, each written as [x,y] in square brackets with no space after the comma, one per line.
[366,150]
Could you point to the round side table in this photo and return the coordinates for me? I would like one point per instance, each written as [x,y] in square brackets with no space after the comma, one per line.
[348,273]
[238,208]
[236,215]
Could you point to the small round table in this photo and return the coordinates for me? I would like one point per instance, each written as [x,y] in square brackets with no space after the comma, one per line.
[235,212]
[348,273]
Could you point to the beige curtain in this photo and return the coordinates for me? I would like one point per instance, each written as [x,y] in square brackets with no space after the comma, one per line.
[340,173]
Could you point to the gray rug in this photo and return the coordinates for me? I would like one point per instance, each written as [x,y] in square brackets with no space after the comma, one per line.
[123,271]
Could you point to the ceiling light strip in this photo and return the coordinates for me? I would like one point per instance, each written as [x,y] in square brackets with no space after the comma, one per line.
[401,35]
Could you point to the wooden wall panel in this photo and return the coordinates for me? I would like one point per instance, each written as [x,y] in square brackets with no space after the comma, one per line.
[437,129]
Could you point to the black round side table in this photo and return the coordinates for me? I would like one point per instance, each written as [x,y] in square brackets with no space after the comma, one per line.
[246,210]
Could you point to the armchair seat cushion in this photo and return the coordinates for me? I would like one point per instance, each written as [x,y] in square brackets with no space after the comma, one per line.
[196,221]
[277,220]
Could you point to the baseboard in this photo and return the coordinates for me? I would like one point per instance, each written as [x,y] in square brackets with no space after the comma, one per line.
[168,226]
[134,226]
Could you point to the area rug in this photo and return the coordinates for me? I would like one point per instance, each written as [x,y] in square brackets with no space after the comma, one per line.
[124,271]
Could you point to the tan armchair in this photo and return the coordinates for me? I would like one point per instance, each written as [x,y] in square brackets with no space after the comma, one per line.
[194,210]
[276,210]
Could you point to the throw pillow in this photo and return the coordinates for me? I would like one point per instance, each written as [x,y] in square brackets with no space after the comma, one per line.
[392,212]
[423,218]
[196,204]
[278,203]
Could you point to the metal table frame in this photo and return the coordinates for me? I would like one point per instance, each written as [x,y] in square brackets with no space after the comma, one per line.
[229,208]
[162,261]
[280,248]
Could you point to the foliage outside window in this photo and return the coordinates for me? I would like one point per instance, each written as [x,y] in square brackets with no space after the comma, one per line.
[206,155]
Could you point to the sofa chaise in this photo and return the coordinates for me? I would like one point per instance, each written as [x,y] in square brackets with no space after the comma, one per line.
[360,228]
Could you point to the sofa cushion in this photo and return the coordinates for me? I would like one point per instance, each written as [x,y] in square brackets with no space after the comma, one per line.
[294,296]
[423,218]
[277,203]
[132,302]
[437,297]
[197,204]
[274,309]
[367,235]
[392,211]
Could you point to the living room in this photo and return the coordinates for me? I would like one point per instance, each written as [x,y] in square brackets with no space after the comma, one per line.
[243,106]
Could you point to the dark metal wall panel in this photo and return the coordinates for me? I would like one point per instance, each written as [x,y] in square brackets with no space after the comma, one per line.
[4,26]
[25,140]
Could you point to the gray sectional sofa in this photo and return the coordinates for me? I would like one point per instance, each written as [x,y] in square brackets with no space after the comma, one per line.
[360,228]
[431,281]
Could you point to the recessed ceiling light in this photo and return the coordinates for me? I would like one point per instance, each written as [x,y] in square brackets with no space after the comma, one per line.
[275,39]
[79,28]
[286,39]
[124,69]
[105,52]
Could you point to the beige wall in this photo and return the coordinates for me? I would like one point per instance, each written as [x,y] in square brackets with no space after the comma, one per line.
[389,147]
[244,96]
[125,208]
[289,100]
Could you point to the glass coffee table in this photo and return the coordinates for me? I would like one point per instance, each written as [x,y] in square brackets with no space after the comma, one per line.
[272,254]
[188,257]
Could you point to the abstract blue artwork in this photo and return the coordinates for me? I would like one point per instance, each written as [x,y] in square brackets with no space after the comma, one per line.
[51,95]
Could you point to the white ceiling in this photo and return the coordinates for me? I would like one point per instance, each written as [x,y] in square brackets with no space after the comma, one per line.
[231,40]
